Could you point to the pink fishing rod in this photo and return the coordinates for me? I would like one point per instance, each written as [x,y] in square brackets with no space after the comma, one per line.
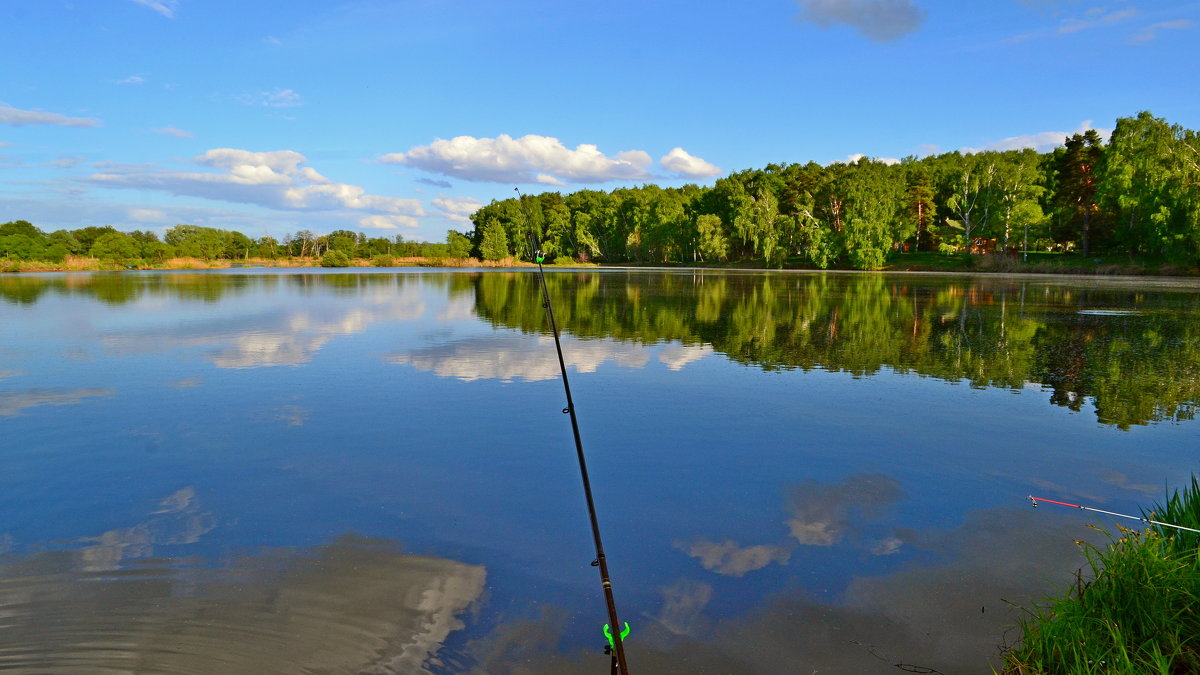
[1034,500]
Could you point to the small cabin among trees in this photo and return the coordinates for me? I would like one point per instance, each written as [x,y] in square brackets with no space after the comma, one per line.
[981,245]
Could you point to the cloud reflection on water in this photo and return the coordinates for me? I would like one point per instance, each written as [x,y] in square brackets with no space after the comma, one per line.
[684,601]
[676,356]
[283,338]
[729,559]
[356,605]
[177,521]
[951,617]
[514,357]
[533,359]
[13,402]
[822,514]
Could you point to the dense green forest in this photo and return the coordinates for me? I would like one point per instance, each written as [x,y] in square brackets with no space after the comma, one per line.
[998,332]
[1136,197]
[21,240]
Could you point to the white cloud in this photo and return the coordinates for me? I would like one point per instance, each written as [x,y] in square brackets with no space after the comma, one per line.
[165,7]
[529,159]
[877,20]
[278,166]
[73,206]
[639,158]
[132,79]
[1095,17]
[272,40]
[378,222]
[457,208]
[276,98]
[1151,32]
[680,162]
[19,118]
[147,215]
[273,179]
[172,131]
[66,162]
[851,159]
[1041,141]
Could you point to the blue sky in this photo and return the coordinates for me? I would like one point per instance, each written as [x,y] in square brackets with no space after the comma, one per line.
[400,117]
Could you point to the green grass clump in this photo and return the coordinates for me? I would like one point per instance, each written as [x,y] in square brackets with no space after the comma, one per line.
[1140,613]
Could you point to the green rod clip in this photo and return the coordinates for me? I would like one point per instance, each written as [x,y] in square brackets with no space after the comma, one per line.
[608,634]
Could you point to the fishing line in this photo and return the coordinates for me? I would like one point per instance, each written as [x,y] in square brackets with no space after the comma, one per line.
[1034,500]
[614,636]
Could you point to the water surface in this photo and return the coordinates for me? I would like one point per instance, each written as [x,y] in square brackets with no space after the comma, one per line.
[312,471]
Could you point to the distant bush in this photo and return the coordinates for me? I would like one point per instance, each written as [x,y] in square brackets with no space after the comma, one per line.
[115,246]
[564,260]
[1120,269]
[383,260]
[55,253]
[335,259]
[996,262]
[495,242]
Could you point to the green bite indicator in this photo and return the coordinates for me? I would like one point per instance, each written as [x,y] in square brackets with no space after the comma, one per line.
[608,634]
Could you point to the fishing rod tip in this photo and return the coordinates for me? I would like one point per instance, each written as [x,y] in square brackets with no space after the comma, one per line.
[1033,500]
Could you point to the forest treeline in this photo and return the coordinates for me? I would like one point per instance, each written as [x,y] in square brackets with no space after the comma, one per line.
[1136,368]
[21,240]
[1137,195]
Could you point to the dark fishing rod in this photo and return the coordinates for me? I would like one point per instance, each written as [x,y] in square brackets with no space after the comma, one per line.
[617,634]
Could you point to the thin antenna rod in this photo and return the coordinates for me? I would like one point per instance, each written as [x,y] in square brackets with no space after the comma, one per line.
[1035,501]
[616,633]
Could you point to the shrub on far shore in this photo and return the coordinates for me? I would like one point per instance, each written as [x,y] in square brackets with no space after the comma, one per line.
[383,260]
[335,259]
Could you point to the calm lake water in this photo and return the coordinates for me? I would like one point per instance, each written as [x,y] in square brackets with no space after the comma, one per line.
[257,471]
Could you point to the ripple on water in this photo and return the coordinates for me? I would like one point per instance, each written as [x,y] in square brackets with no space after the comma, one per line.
[352,606]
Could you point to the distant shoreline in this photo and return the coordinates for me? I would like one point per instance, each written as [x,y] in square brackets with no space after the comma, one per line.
[926,265]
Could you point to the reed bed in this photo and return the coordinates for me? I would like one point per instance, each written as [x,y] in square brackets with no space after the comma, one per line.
[1138,613]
